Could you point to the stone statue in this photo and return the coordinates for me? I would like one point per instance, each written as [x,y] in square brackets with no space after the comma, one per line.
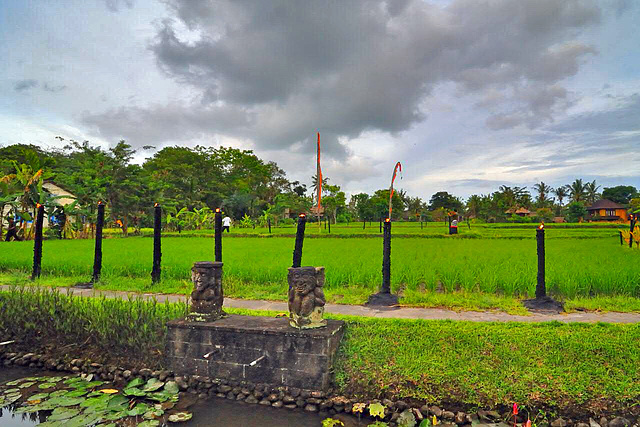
[306,298]
[207,296]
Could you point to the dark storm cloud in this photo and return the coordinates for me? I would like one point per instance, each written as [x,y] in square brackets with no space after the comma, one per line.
[23,85]
[357,65]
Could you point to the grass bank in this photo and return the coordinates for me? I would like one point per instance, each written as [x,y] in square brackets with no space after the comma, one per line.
[566,368]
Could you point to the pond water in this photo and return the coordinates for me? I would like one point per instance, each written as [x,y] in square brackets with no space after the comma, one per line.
[209,413]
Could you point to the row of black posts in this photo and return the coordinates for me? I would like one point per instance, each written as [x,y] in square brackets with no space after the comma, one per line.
[383,297]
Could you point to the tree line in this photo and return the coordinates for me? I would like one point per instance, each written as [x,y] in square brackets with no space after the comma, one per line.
[190,182]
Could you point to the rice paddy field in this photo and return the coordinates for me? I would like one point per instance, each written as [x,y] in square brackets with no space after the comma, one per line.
[493,272]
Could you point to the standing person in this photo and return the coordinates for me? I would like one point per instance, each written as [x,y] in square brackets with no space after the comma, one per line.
[226,224]
[12,232]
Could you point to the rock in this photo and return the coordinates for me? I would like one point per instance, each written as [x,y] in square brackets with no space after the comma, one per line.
[202,396]
[288,399]
[448,415]
[313,401]
[560,422]
[251,399]
[291,406]
[311,408]
[300,403]
[295,392]
[418,414]
[401,405]
[231,396]
[460,418]
[277,404]
[145,372]
[182,383]
[221,389]
[434,410]
[272,397]
[604,422]
[241,396]
[582,425]
[317,394]
[126,374]
[619,422]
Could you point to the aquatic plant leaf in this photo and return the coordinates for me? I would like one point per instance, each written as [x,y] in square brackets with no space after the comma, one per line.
[171,387]
[118,403]
[27,384]
[108,391]
[46,385]
[149,423]
[135,382]
[11,390]
[58,393]
[180,417]
[331,422]
[134,391]
[164,405]
[77,393]
[63,414]
[39,396]
[139,409]
[15,382]
[83,420]
[66,401]
[153,384]
[93,402]
[114,416]
[153,413]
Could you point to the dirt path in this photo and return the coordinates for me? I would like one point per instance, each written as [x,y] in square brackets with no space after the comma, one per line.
[394,313]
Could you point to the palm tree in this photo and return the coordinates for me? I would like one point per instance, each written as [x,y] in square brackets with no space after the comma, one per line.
[591,190]
[314,185]
[577,190]
[543,191]
[561,192]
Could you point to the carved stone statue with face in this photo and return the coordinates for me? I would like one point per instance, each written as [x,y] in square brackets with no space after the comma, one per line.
[306,297]
[207,296]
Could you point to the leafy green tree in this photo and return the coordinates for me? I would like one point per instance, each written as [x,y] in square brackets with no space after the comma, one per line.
[620,194]
[442,199]
[576,212]
[591,192]
[543,194]
[577,191]
[333,201]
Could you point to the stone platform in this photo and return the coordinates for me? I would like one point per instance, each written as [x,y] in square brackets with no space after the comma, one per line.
[255,349]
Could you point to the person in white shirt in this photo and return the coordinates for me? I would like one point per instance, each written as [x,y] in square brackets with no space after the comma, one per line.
[226,224]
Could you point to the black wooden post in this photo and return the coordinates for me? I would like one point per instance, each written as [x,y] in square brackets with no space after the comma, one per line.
[621,240]
[37,243]
[386,258]
[421,223]
[632,224]
[269,224]
[218,236]
[380,224]
[97,254]
[364,223]
[325,222]
[329,225]
[297,251]
[157,244]
[541,288]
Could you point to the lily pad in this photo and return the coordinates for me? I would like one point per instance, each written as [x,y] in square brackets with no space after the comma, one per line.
[15,382]
[66,401]
[149,423]
[11,391]
[135,382]
[118,403]
[77,393]
[139,409]
[63,414]
[114,416]
[46,385]
[171,387]
[134,391]
[39,396]
[153,384]
[180,417]
[27,384]
[59,393]
[153,414]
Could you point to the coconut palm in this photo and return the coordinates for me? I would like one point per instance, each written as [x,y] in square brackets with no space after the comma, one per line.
[577,190]
[591,191]
[543,193]
[561,192]
[314,185]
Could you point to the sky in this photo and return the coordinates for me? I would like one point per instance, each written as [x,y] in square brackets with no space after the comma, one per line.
[467,94]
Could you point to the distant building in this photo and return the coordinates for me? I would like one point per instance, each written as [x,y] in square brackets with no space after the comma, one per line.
[518,211]
[606,210]
[65,198]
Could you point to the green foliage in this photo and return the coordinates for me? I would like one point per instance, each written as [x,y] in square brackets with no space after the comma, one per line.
[119,327]
[575,212]
[331,422]
[620,194]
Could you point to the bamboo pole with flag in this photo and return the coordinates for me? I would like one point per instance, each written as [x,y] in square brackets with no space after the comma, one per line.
[319,176]
[393,178]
